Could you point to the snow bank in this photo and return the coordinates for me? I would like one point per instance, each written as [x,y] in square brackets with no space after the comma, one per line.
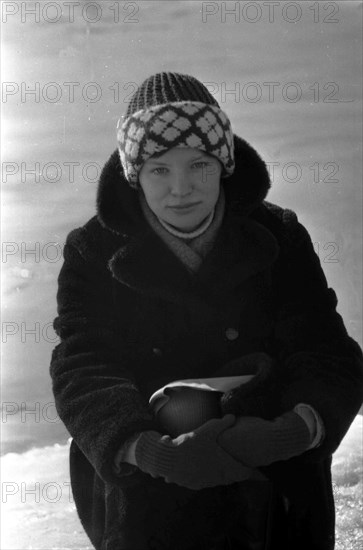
[39,513]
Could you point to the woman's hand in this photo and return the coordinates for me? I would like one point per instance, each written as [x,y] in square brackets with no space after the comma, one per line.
[193,460]
[256,442]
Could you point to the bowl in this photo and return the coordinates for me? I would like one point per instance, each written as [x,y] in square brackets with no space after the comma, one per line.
[187,409]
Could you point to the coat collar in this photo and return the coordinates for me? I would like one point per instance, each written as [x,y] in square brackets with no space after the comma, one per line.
[142,261]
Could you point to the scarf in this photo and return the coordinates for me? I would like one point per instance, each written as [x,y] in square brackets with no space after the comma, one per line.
[191,251]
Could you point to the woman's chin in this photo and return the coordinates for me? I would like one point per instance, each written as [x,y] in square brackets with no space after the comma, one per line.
[185,225]
[186,228]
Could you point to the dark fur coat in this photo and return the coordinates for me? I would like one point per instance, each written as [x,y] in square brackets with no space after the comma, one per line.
[131,318]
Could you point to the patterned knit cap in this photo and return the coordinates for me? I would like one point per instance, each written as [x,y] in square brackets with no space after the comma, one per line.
[173,110]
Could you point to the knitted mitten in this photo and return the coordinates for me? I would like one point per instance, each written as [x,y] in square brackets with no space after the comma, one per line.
[257,442]
[258,397]
[193,460]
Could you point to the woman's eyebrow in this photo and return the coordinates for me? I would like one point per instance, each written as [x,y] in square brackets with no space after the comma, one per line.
[160,163]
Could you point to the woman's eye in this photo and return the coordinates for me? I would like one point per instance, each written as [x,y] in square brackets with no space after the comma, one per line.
[159,171]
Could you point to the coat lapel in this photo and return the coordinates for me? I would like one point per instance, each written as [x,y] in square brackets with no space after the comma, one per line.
[242,249]
[146,264]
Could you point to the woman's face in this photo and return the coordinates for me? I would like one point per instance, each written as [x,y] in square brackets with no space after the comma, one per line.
[181,186]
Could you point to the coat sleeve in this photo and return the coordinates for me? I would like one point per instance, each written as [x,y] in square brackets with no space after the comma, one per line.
[318,363]
[95,391]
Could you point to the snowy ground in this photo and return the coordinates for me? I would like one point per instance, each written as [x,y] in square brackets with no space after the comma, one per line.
[39,500]
[348,489]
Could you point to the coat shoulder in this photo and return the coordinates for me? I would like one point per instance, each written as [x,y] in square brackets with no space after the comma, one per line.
[283,223]
[90,231]
[286,216]
[93,242]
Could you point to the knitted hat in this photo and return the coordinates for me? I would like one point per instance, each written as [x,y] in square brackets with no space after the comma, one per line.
[173,110]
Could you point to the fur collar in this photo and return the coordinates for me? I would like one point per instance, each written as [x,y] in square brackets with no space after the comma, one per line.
[243,246]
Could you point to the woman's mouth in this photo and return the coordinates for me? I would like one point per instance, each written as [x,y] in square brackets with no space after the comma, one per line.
[184,207]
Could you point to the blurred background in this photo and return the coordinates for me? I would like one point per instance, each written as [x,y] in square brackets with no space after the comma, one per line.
[289,75]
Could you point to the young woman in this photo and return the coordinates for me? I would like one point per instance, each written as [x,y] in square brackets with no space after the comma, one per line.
[187,274]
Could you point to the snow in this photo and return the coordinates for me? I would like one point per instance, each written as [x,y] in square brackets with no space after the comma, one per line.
[36,494]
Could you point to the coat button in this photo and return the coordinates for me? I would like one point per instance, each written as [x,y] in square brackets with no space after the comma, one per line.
[157,352]
[232,333]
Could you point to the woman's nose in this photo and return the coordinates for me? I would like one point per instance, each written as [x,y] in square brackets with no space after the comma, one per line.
[181,184]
